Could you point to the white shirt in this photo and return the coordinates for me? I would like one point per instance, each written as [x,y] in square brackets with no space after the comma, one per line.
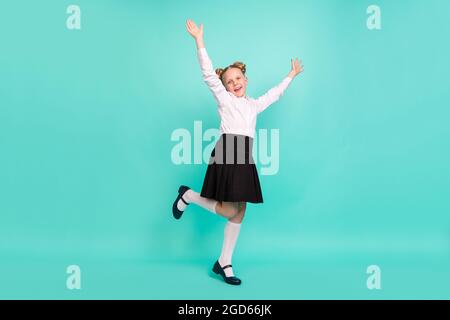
[237,115]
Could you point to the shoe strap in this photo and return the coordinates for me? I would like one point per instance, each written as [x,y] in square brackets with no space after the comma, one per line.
[227,266]
[184,201]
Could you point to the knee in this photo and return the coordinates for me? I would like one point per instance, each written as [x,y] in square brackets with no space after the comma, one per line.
[239,216]
[228,210]
[233,211]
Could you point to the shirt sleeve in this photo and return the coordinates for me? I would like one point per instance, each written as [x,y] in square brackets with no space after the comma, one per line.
[272,95]
[211,78]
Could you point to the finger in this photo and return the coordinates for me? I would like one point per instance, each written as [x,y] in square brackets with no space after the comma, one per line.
[201,27]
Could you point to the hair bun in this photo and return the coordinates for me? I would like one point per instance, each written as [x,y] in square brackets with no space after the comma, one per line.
[219,72]
[239,65]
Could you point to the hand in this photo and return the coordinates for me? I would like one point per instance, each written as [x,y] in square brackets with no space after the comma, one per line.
[194,31]
[296,68]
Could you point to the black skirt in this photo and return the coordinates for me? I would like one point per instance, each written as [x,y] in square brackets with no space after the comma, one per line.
[231,174]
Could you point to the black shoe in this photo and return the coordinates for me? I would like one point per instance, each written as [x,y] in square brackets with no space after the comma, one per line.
[178,213]
[219,270]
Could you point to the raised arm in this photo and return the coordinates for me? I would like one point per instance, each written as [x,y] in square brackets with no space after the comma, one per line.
[196,33]
[209,75]
[276,92]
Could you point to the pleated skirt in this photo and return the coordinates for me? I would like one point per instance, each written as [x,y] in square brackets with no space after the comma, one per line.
[231,174]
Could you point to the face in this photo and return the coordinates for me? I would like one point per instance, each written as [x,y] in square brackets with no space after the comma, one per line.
[235,82]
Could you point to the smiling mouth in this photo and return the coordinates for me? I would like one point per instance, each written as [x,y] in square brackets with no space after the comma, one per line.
[237,89]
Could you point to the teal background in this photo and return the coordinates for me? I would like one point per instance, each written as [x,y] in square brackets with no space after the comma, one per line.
[86,175]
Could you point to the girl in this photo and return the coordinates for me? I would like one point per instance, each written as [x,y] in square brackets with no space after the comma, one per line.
[231,178]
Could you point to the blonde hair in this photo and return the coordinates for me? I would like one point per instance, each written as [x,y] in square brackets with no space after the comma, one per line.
[239,65]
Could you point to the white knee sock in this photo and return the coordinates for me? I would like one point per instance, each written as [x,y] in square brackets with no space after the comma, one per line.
[191,196]
[231,234]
